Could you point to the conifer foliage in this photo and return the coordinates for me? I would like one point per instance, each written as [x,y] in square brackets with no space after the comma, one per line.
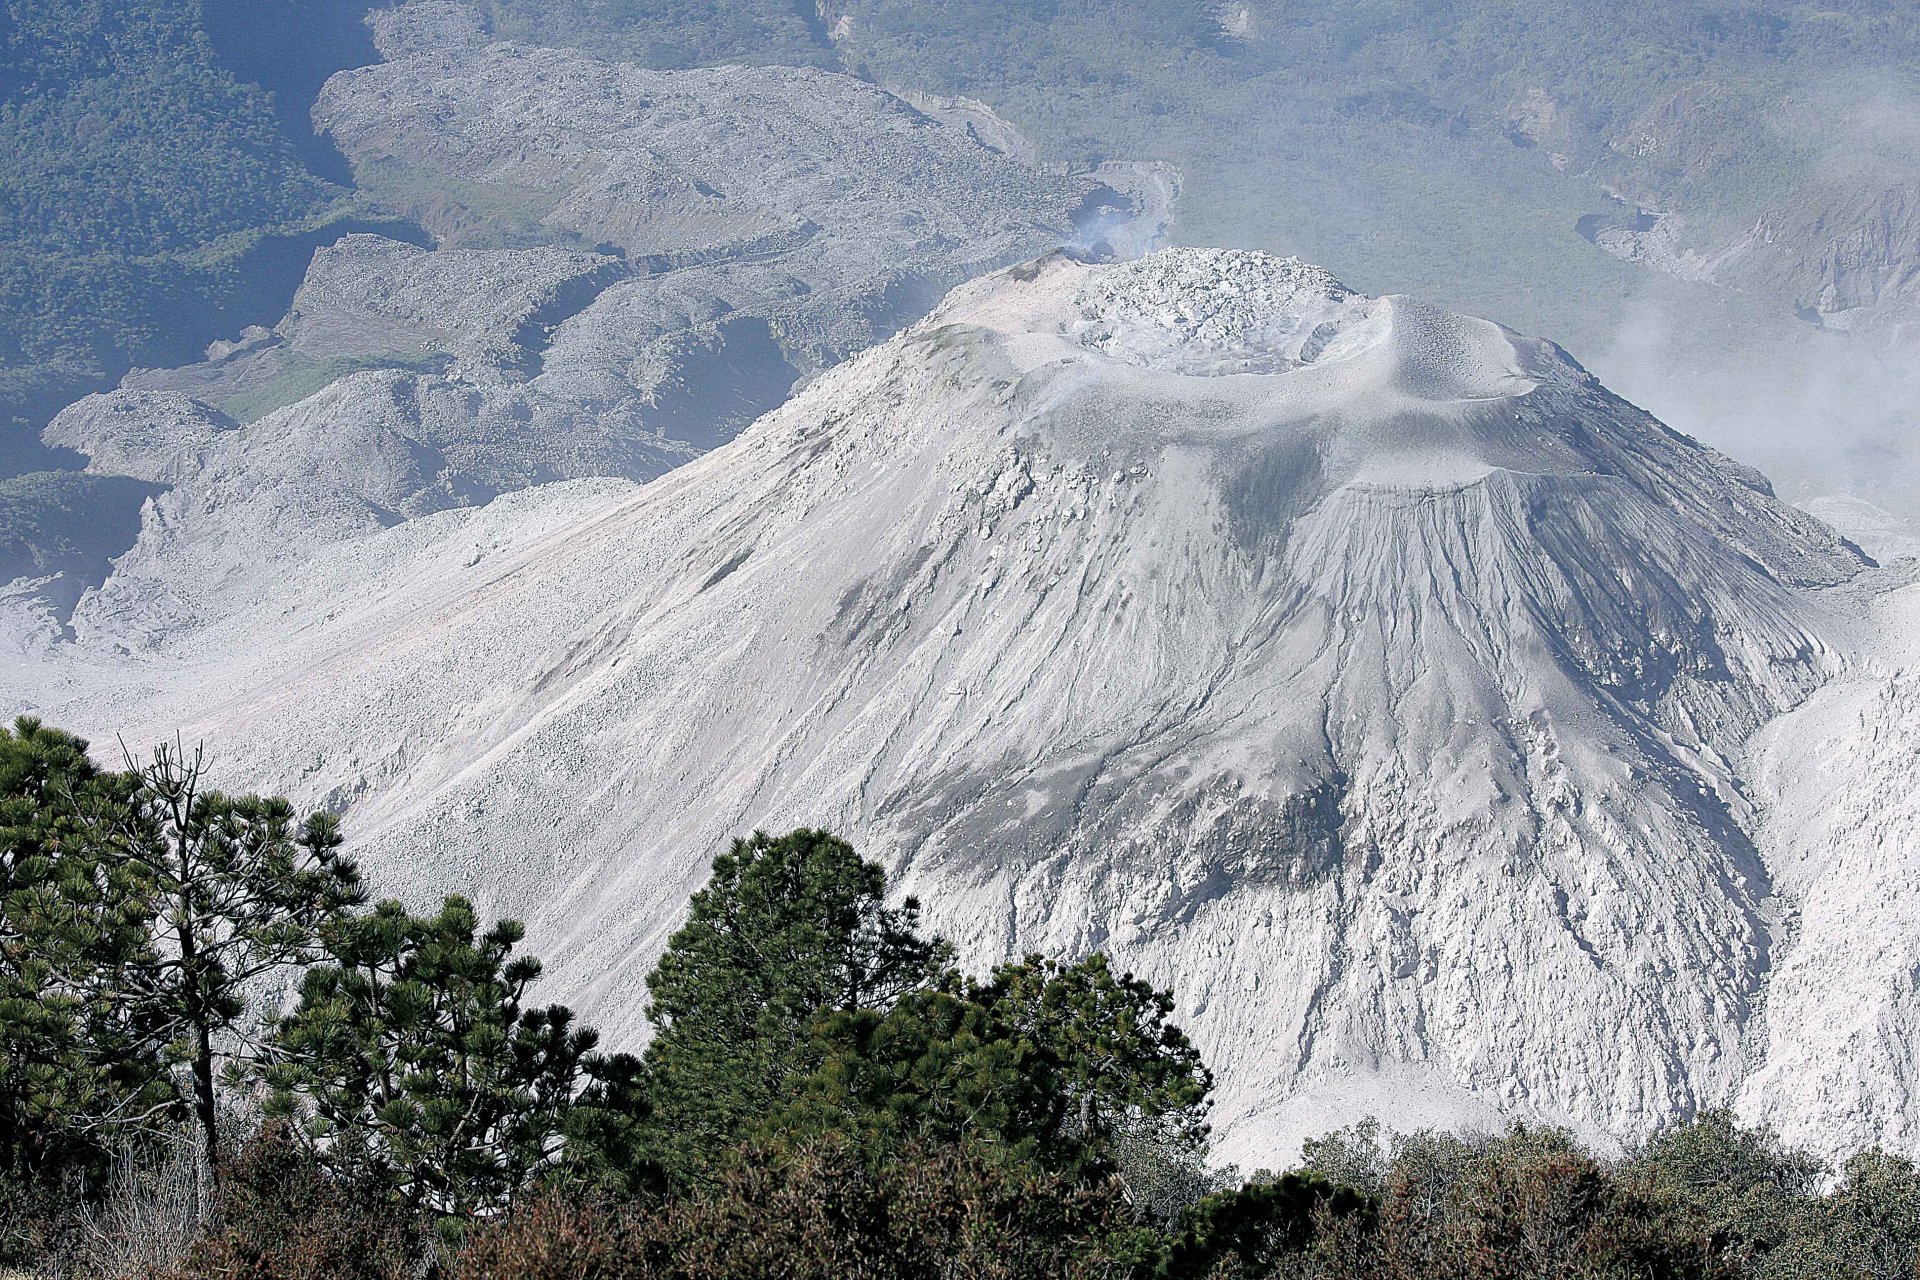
[412,1052]
[786,930]
[77,1056]
[826,1093]
[241,889]
[145,914]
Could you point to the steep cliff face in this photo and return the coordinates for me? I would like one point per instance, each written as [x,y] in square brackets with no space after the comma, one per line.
[1367,673]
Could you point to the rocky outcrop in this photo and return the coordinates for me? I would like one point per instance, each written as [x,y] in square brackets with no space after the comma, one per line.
[157,436]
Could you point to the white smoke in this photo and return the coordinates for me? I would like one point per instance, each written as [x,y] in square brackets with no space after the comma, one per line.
[1825,404]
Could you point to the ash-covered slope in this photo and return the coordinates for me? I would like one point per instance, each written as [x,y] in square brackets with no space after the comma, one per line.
[630,267]
[1840,780]
[1367,673]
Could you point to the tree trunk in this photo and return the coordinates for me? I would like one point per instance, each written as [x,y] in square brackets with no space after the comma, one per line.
[206,1112]
[206,1107]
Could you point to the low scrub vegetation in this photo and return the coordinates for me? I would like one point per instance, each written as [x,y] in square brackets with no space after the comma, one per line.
[826,1094]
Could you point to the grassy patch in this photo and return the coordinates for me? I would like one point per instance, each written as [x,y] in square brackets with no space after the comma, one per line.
[461,213]
[300,376]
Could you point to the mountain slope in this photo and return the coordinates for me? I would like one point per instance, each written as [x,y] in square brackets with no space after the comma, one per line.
[713,236]
[1843,832]
[1366,672]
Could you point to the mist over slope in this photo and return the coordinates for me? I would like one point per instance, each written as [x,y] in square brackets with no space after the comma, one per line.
[1365,672]
[1712,206]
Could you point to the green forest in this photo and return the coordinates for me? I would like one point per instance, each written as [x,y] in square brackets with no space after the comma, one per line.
[221,1060]
[159,183]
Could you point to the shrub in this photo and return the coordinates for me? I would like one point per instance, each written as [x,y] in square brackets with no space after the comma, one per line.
[823,1213]
[1533,1204]
[287,1218]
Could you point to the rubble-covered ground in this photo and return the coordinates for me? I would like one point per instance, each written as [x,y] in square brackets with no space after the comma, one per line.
[629,266]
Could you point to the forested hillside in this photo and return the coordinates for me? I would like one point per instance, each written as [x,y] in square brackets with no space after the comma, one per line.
[158,183]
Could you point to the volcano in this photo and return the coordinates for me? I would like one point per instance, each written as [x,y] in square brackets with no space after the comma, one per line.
[1367,673]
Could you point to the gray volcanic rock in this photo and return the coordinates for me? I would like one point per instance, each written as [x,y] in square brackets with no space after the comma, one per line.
[369,451]
[780,217]
[1366,673]
[368,302]
[1881,534]
[491,312]
[688,165]
[1837,779]
[157,436]
[719,235]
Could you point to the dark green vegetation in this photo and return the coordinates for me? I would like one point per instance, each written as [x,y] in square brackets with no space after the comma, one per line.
[159,183]
[825,1095]
[52,521]
[412,1057]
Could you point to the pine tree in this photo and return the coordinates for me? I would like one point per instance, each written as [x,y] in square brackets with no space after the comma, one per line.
[412,1051]
[1072,1067]
[79,1062]
[786,929]
[1110,1045]
[241,890]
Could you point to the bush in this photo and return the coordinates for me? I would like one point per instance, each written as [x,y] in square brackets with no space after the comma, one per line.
[1254,1230]
[146,1216]
[36,1223]
[822,1213]
[554,1237]
[287,1218]
[1531,1203]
